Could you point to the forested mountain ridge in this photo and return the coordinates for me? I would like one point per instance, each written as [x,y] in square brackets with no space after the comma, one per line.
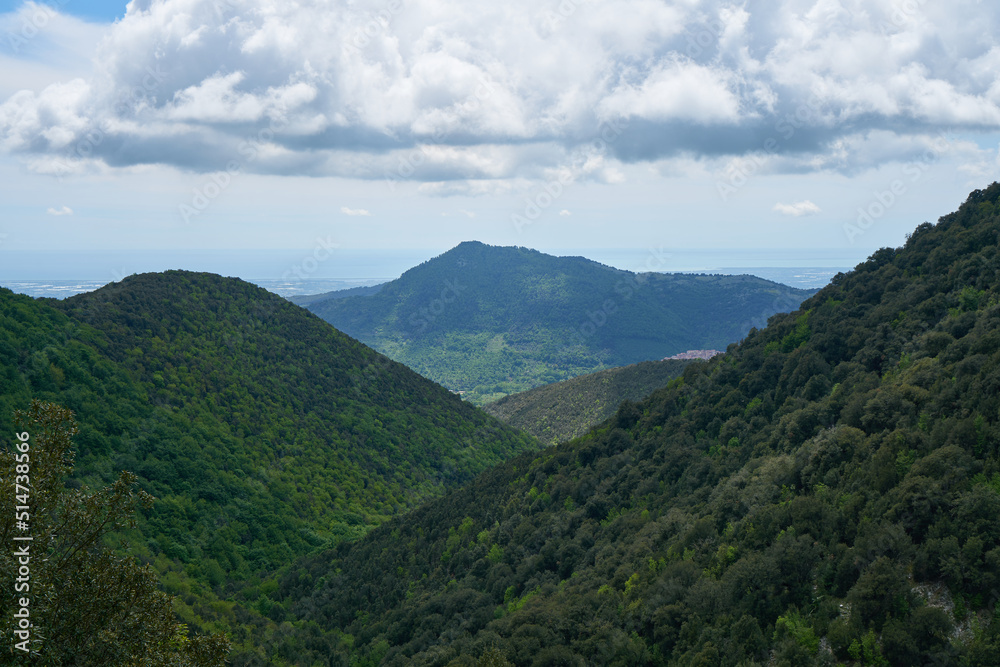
[490,321]
[825,492]
[263,432]
[563,410]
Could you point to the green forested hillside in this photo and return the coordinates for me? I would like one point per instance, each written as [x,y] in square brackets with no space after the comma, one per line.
[563,410]
[263,432]
[490,321]
[826,492]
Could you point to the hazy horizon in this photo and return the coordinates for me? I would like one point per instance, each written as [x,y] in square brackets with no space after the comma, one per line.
[371,263]
[200,124]
[311,272]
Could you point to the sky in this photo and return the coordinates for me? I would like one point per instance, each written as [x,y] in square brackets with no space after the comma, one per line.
[399,124]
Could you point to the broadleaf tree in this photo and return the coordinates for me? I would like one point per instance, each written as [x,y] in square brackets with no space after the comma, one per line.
[86,604]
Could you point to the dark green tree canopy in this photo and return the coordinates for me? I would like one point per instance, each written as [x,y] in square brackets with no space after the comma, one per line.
[826,492]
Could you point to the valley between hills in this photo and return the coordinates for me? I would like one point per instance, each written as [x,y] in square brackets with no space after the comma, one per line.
[295,493]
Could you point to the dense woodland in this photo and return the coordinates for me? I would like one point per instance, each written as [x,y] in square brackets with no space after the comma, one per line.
[826,492]
[560,411]
[491,321]
[262,432]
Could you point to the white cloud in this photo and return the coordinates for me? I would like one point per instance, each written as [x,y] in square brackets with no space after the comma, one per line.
[354,211]
[797,209]
[65,210]
[39,47]
[474,187]
[455,94]
[216,100]
[678,90]
[565,213]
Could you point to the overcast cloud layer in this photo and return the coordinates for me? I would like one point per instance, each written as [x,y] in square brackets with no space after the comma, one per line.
[475,96]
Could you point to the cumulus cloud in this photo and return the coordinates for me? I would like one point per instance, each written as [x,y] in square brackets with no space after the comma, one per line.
[65,210]
[679,91]
[354,211]
[478,97]
[565,213]
[797,209]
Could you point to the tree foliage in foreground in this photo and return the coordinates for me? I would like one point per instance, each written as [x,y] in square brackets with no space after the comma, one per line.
[88,605]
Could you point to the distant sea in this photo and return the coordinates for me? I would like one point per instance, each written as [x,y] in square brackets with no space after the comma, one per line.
[297,272]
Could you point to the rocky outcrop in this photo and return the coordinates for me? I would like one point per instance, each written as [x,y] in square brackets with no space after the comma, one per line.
[695,354]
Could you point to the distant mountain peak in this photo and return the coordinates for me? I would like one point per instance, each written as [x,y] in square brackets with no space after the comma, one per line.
[493,320]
